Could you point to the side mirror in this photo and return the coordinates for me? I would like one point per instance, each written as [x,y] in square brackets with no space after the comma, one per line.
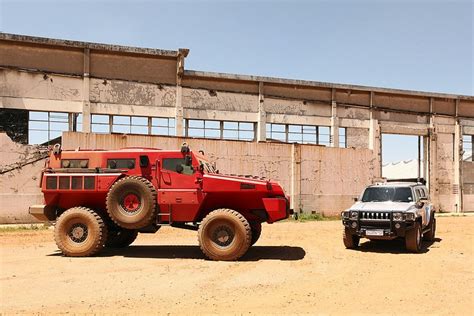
[355,199]
[144,161]
[179,168]
[421,203]
[188,160]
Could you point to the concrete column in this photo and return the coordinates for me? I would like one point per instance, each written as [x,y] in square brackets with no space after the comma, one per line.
[262,115]
[334,141]
[86,105]
[179,112]
[457,167]
[295,189]
[426,169]
[433,159]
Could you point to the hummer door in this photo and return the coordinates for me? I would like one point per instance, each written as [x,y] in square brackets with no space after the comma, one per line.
[179,192]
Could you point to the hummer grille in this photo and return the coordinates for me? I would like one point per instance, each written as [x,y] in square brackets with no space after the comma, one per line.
[375,216]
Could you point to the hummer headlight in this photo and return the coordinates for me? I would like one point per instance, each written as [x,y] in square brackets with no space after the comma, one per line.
[410,216]
[354,215]
[345,214]
[397,217]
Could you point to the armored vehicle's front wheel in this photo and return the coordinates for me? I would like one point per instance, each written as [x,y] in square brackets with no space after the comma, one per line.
[224,234]
[131,202]
[80,232]
[413,238]
[350,241]
[121,237]
[256,232]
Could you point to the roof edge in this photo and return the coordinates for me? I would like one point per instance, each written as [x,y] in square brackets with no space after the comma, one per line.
[320,84]
[90,45]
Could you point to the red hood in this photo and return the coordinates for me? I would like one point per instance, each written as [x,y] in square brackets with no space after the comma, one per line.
[233,183]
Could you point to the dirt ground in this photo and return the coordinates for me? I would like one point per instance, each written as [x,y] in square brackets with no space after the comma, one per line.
[294,268]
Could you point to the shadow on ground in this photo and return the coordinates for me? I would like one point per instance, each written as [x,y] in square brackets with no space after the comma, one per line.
[255,253]
[396,246]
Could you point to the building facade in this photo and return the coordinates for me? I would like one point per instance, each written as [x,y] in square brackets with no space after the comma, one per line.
[327,136]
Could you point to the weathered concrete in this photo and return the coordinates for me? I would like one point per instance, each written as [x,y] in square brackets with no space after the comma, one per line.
[38,74]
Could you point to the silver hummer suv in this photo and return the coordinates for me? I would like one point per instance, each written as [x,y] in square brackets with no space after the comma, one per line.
[391,210]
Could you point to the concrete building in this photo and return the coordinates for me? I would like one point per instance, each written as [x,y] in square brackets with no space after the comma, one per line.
[321,140]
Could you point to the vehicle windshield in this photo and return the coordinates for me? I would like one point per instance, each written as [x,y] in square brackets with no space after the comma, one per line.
[386,194]
[208,167]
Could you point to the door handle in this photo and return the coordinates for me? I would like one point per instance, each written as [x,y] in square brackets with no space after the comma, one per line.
[179,200]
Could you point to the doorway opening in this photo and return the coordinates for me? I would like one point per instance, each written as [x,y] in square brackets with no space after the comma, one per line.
[403,157]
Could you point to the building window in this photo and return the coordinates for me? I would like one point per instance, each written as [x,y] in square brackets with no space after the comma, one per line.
[303,134]
[100,123]
[342,137]
[238,131]
[204,128]
[467,141]
[276,132]
[130,124]
[163,126]
[45,126]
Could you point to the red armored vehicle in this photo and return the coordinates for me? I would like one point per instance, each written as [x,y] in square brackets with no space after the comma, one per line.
[106,197]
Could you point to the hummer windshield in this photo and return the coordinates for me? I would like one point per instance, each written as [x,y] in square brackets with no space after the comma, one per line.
[387,194]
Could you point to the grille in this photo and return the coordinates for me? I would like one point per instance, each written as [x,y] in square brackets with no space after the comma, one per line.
[375,216]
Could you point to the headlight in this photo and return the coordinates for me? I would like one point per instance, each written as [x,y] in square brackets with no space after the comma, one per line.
[410,216]
[354,215]
[345,214]
[397,216]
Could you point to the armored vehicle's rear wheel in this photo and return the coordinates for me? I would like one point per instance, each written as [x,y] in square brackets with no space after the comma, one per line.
[131,202]
[350,241]
[413,238]
[430,236]
[256,232]
[224,234]
[121,237]
[80,232]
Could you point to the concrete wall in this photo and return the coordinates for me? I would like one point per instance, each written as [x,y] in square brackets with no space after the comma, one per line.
[468,186]
[20,169]
[319,179]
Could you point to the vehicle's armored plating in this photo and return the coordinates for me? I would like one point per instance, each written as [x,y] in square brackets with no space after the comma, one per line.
[106,197]
[391,210]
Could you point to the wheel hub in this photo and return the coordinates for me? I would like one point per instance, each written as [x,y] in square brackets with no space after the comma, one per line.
[131,203]
[223,236]
[78,233]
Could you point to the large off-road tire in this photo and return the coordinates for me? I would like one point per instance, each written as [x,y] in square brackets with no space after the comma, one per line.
[121,237]
[224,234]
[350,241]
[413,238]
[80,232]
[131,202]
[256,232]
[430,235]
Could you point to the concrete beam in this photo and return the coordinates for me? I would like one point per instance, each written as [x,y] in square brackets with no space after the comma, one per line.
[404,129]
[31,104]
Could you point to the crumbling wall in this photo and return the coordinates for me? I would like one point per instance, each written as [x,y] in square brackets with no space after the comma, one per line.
[20,169]
[330,177]
[357,137]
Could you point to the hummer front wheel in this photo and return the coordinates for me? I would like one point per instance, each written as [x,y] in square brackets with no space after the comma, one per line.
[350,241]
[224,234]
[413,238]
[80,232]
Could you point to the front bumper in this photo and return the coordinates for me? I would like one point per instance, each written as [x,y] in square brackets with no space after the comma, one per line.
[43,213]
[378,230]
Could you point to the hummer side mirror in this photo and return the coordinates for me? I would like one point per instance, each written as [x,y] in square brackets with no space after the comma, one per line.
[420,203]
[355,199]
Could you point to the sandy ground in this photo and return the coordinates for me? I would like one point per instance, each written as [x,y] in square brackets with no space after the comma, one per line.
[294,268]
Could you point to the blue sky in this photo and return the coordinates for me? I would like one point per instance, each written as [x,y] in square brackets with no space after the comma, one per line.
[416,45]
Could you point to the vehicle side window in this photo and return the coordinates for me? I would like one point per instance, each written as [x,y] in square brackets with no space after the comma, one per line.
[172,164]
[128,163]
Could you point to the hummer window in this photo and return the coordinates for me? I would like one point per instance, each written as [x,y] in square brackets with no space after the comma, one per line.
[121,163]
[385,194]
[177,165]
[74,163]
